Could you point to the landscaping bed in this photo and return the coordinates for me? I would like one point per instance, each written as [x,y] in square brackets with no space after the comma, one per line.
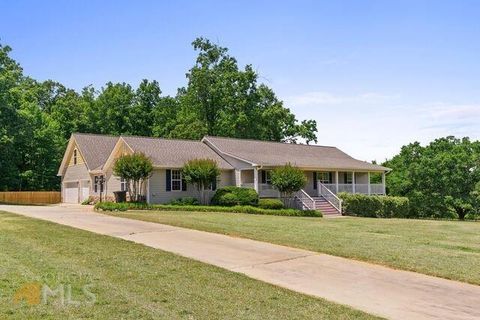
[112,206]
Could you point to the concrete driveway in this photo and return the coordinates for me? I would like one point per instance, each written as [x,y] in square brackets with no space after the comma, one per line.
[375,289]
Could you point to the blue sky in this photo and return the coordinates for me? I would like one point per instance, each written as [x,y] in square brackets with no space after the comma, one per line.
[374,74]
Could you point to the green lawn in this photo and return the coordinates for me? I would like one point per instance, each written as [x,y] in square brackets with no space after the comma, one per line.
[449,249]
[132,281]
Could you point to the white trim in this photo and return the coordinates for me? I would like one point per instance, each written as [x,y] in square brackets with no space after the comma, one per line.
[353,181]
[383,183]
[218,151]
[368,183]
[72,143]
[336,181]
[179,179]
[148,190]
[255,179]
[238,177]
[110,158]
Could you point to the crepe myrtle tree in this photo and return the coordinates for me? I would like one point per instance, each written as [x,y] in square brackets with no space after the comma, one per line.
[202,173]
[135,168]
[288,180]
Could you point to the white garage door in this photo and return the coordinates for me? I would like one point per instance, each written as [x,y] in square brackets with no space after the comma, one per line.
[71,192]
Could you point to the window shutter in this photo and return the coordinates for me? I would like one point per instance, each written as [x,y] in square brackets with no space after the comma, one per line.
[168,181]
[264,176]
[184,185]
[314,180]
[214,185]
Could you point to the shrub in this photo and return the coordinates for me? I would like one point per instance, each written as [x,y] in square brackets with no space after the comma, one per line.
[233,196]
[185,201]
[111,206]
[375,206]
[270,204]
[288,179]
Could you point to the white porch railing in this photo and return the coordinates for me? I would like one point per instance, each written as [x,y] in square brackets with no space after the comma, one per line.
[305,201]
[326,193]
[375,188]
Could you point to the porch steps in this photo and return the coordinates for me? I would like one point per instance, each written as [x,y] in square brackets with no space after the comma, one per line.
[325,207]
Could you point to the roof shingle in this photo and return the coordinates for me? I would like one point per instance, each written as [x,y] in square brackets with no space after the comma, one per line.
[172,153]
[278,153]
[95,148]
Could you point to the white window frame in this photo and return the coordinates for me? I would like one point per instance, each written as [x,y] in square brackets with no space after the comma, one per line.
[123,184]
[268,176]
[323,177]
[348,177]
[178,178]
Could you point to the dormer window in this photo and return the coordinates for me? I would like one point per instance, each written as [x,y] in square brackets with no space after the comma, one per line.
[75,156]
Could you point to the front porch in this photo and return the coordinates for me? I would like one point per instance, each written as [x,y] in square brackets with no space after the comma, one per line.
[369,183]
[258,180]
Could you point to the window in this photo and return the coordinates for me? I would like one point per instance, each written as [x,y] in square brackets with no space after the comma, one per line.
[268,177]
[75,156]
[324,177]
[123,184]
[176,180]
[95,184]
[348,177]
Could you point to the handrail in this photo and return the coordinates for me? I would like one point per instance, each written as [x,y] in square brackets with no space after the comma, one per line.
[302,196]
[330,197]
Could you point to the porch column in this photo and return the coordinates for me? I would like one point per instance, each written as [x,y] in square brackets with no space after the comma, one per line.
[148,190]
[238,178]
[353,182]
[255,178]
[336,182]
[383,183]
[368,183]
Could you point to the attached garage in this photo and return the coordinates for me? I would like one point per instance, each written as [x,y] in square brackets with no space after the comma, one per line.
[70,192]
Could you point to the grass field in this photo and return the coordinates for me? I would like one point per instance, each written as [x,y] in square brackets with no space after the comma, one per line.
[449,249]
[131,281]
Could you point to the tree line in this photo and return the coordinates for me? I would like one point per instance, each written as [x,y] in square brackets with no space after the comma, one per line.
[441,179]
[220,99]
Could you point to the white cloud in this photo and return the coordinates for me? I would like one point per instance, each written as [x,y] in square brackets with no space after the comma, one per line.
[374,126]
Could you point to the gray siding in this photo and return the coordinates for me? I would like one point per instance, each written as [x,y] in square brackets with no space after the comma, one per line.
[158,193]
[113,183]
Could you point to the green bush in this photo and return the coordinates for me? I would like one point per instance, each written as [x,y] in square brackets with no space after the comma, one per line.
[375,206]
[235,196]
[185,201]
[111,206]
[274,204]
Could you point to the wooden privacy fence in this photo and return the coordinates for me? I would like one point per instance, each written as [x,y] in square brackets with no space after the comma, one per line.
[30,197]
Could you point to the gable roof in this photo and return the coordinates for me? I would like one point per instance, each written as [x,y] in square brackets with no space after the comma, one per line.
[173,153]
[95,148]
[277,153]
